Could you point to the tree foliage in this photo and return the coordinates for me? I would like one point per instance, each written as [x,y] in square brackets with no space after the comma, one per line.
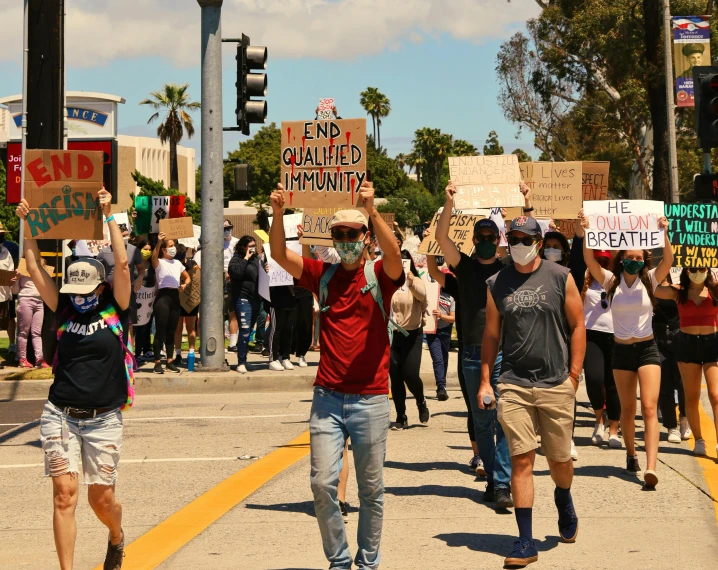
[412,204]
[378,107]
[492,145]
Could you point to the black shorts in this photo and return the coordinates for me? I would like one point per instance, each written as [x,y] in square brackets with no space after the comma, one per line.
[193,313]
[697,348]
[632,356]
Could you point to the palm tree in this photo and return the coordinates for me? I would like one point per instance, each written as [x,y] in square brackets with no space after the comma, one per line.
[464,148]
[377,106]
[176,101]
[400,160]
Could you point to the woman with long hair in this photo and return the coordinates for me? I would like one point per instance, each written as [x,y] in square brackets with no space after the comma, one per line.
[697,298]
[189,310]
[143,344]
[30,312]
[629,286]
[244,280]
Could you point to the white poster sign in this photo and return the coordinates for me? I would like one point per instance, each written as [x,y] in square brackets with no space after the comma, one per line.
[278,277]
[623,224]
[192,242]
[291,221]
[325,110]
[263,284]
[145,301]
[544,225]
[498,219]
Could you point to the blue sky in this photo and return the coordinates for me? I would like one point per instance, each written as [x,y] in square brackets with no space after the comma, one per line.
[435,75]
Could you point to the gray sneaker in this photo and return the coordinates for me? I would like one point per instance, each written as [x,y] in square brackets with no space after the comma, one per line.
[115,554]
[503,498]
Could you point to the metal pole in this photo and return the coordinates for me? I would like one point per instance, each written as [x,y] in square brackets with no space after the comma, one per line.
[21,235]
[212,303]
[670,101]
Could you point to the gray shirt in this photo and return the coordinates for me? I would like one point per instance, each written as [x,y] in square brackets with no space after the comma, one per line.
[535,343]
[107,257]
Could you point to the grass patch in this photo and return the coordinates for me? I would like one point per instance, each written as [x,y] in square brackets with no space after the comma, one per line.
[30,374]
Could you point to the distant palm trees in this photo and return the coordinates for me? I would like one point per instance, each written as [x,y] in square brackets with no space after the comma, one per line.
[175,100]
[378,107]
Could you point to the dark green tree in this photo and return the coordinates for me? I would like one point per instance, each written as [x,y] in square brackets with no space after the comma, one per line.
[492,145]
[149,187]
[412,205]
[387,175]
[523,156]
[263,153]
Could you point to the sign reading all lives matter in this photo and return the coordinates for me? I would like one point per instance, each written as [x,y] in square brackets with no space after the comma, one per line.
[461,232]
[323,162]
[61,189]
[623,224]
[556,188]
[486,181]
[693,232]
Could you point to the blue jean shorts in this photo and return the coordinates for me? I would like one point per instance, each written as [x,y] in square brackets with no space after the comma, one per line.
[95,443]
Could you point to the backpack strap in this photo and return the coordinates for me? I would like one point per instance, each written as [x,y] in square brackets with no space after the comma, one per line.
[372,285]
[323,287]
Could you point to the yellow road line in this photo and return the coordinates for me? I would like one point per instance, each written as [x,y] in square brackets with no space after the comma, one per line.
[154,547]
[709,465]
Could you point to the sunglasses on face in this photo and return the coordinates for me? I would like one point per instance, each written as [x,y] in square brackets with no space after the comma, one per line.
[513,240]
[696,270]
[348,235]
[484,237]
[604,303]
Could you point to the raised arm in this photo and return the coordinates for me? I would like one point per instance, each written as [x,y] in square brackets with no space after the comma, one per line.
[286,258]
[597,272]
[434,271]
[417,287]
[664,267]
[526,191]
[448,247]
[43,282]
[574,315]
[156,251]
[391,260]
[121,284]
[489,350]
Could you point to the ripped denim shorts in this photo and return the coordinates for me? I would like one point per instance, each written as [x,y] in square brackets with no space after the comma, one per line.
[96,442]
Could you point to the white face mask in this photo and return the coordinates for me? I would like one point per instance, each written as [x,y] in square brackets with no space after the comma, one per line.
[552,254]
[523,254]
[699,277]
[171,251]
[126,239]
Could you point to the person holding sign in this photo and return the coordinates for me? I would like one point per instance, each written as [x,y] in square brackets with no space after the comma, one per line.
[351,390]
[81,424]
[630,286]
[697,298]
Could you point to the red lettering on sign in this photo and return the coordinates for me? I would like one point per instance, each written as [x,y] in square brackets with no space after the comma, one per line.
[60,168]
[38,172]
[84,167]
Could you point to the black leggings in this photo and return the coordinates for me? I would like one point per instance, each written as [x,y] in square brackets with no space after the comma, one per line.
[404,367]
[667,342]
[167,312]
[303,326]
[465,393]
[281,333]
[598,370]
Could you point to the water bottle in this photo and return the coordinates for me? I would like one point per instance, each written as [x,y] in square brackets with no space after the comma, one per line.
[488,401]
[190,362]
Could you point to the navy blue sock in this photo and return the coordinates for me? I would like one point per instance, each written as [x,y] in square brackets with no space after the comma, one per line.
[524,520]
[562,497]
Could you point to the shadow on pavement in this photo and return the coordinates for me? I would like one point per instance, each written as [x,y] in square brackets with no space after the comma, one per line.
[451,414]
[499,544]
[603,471]
[305,508]
[424,467]
[437,491]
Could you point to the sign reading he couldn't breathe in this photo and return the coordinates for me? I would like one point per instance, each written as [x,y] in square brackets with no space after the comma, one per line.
[61,189]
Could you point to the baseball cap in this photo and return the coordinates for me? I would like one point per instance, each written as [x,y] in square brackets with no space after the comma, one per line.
[486,224]
[599,253]
[83,277]
[349,218]
[525,225]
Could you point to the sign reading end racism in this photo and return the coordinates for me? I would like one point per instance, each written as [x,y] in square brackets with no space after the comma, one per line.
[61,189]
[623,224]
[323,162]
[461,231]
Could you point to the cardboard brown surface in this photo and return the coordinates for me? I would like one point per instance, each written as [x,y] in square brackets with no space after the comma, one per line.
[595,180]
[6,277]
[323,162]
[556,188]
[566,227]
[176,228]
[45,166]
[22,269]
[315,224]
[461,232]
[486,181]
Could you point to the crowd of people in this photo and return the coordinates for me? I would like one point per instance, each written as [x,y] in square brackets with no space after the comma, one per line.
[532,320]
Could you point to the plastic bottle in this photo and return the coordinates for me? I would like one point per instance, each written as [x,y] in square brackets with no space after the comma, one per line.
[190,362]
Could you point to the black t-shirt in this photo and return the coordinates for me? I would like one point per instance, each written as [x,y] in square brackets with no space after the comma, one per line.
[472,277]
[451,286]
[91,366]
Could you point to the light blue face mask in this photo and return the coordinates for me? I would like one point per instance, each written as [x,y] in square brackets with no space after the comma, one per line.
[85,303]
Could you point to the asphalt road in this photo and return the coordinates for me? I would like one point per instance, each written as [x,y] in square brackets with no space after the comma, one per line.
[18,412]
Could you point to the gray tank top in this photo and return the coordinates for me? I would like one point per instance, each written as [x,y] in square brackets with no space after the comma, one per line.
[535,337]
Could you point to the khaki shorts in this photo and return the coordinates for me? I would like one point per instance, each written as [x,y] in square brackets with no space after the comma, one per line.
[521,410]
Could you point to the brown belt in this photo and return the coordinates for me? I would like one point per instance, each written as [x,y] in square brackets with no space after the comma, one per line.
[80,414]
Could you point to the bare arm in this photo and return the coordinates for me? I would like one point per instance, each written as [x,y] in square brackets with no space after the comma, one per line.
[448,247]
[416,286]
[526,191]
[667,292]
[140,276]
[286,258]
[489,350]
[597,272]
[392,265]
[156,251]
[434,271]
[574,315]
[43,282]
[121,284]
[664,267]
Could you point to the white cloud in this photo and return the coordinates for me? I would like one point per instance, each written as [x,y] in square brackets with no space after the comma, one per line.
[98,31]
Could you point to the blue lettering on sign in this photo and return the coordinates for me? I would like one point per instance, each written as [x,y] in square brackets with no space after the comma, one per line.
[76,114]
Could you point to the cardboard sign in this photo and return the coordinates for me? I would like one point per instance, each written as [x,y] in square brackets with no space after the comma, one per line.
[278,277]
[315,224]
[486,181]
[291,221]
[263,283]
[693,232]
[461,232]
[566,227]
[556,188]
[6,277]
[623,224]
[145,300]
[595,180]
[61,188]
[433,293]
[191,296]
[325,110]
[176,228]
[23,271]
[323,162]
[406,263]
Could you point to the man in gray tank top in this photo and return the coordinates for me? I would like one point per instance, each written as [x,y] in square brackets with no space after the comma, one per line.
[543,342]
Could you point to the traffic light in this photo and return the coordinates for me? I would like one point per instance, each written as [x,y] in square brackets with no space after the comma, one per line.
[242,181]
[705,187]
[705,87]
[250,84]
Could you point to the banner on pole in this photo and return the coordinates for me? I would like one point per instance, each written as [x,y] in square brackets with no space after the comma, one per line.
[624,224]
[691,48]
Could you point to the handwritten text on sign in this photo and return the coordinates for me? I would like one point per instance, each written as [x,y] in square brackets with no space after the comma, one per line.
[693,232]
[323,162]
[486,181]
[461,232]
[623,224]
[315,224]
[595,180]
[556,188]
[278,277]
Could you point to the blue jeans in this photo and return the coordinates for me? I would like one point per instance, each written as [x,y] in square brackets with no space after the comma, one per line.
[335,417]
[439,344]
[494,454]
[247,313]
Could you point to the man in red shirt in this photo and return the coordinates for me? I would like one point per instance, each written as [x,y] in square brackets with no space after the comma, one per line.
[351,390]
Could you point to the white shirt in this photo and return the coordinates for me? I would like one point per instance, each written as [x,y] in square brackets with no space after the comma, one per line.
[631,307]
[596,317]
[7,264]
[169,272]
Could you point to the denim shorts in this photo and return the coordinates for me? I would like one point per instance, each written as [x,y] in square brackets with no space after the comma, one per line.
[632,356]
[96,442]
[697,348]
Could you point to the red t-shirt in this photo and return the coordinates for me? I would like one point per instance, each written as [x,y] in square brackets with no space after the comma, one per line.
[353,334]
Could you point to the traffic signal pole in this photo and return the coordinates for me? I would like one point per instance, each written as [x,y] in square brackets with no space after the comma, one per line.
[670,102]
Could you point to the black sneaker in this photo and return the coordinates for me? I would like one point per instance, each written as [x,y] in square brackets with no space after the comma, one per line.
[402,422]
[344,507]
[503,498]
[441,394]
[265,352]
[632,465]
[158,368]
[178,360]
[257,348]
[567,522]
[523,554]
[424,414]
[489,495]
[172,367]
[115,554]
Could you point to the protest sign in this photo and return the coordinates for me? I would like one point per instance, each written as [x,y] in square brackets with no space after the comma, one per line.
[486,181]
[175,228]
[61,189]
[566,227]
[278,277]
[325,110]
[151,209]
[145,299]
[190,297]
[556,188]
[693,232]
[315,224]
[263,283]
[544,225]
[461,232]
[23,271]
[595,180]
[323,162]
[290,221]
[433,293]
[193,241]
[6,277]
[623,224]
[406,263]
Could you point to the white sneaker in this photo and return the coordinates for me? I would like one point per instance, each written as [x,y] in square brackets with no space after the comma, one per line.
[302,362]
[700,447]
[287,364]
[599,433]
[686,431]
[276,366]
[242,369]
[614,442]
[674,436]
[574,453]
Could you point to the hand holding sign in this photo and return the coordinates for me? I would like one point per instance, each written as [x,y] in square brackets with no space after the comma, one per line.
[276,198]
[450,191]
[105,199]
[366,196]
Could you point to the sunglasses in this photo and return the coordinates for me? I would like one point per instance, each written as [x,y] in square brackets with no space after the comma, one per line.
[604,303]
[348,235]
[513,240]
[696,270]
[484,237]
